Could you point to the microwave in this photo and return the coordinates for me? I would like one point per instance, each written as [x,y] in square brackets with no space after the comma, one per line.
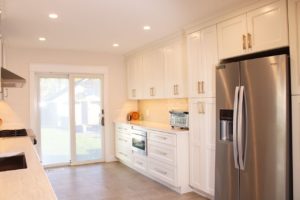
[179,119]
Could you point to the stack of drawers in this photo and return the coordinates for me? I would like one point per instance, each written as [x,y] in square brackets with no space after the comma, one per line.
[123,143]
[162,156]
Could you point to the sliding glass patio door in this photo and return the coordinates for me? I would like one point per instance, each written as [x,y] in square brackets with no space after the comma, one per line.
[88,109]
[54,106]
[71,119]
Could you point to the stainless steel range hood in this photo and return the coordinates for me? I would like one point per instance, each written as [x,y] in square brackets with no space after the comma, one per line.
[10,79]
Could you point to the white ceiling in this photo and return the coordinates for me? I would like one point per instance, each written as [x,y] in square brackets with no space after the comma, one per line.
[94,25]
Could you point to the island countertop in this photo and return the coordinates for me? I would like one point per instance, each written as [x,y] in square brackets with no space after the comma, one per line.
[24,184]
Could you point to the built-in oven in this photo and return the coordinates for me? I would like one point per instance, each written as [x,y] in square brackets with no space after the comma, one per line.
[139,141]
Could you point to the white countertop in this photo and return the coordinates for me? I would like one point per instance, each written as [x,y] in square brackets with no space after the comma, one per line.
[24,184]
[153,126]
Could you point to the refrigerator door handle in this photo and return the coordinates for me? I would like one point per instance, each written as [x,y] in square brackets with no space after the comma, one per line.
[235,118]
[240,133]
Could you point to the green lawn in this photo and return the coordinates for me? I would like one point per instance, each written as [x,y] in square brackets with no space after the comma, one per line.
[56,145]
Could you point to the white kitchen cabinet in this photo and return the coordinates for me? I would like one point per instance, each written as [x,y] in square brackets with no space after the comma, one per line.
[258,30]
[294,33]
[135,77]
[175,70]
[153,74]
[167,160]
[296,145]
[232,37]
[202,144]
[202,61]
[123,143]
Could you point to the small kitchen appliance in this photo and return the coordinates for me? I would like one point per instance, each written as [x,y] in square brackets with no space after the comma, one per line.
[179,119]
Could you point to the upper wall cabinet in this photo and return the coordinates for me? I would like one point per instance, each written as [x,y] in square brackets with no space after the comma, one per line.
[175,70]
[158,73]
[258,30]
[153,68]
[202,59]
[135,77]
[294,33]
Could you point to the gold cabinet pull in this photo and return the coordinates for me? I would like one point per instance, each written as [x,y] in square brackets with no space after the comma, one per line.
[174,89]
[199,87]
[152,91]
[133,92]
[249,40]
[244,42]
[201,107]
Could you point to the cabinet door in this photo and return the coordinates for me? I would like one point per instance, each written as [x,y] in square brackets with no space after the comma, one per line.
[209,60]
[203,58]
[153,74]
[267,27]
[296,145]
[232,37]
[202,144]
[175,70]
[194,64]
[294,27]
[134,77]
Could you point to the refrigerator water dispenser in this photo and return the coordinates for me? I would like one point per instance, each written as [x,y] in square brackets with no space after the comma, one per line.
[226,125]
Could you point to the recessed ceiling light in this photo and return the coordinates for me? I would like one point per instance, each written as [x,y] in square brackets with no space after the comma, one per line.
[53,16]
[116,45]
[42,39]
[146,28]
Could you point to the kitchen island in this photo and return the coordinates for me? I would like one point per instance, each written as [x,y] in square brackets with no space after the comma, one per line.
[24,184]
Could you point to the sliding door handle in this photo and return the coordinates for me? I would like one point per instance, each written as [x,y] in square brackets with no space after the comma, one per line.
[235,117]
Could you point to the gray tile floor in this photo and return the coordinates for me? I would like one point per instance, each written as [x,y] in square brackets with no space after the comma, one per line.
[111,181]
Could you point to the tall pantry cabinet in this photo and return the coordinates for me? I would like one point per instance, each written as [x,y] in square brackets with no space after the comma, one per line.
[202,61]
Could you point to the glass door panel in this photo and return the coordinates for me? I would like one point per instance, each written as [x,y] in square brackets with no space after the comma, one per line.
[54,120]
[88,115]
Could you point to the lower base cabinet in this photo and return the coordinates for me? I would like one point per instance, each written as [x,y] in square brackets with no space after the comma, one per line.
[167,161]
[202,135]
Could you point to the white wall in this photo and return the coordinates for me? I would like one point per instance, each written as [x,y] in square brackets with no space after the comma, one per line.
[18,60]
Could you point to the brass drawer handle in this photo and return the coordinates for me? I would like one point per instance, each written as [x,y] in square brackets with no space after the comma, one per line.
[161,153]
[160,171]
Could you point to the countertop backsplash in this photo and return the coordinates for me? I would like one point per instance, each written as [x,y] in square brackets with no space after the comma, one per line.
[158,110]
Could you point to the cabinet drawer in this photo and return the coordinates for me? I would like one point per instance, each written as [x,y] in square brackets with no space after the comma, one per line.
[161,137]
[163,172]
[162,153]
[124,153]
[139,162]
[123,140]
[123,129]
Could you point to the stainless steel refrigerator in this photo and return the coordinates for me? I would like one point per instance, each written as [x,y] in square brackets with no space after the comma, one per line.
[253,130]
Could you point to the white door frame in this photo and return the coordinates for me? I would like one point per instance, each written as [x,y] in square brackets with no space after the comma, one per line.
[36,69]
